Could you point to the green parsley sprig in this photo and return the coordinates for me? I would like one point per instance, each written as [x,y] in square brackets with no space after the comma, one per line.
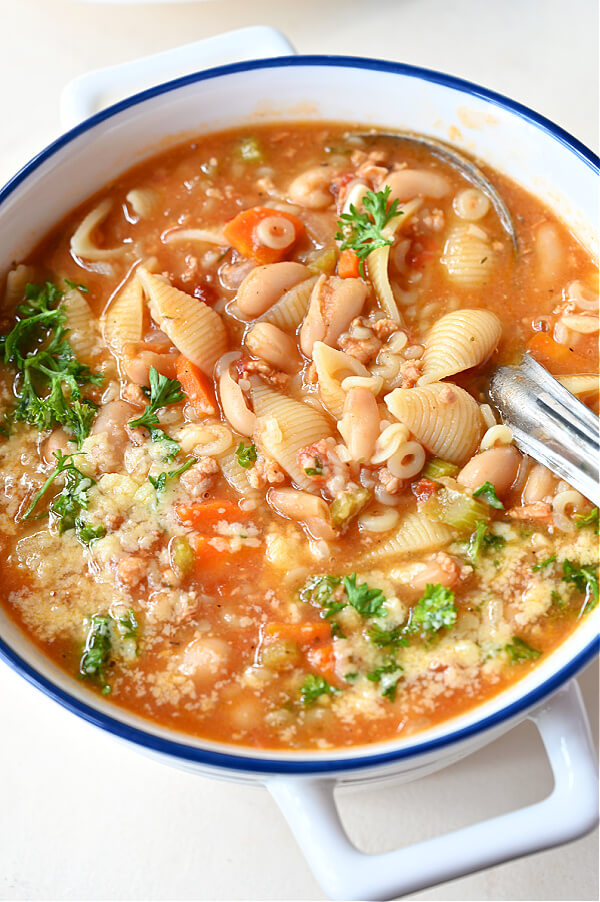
[162,392]
[313,687]
[246,455]
[433,611]
[388,674]
[50,375]
[67,506]
[160,482]
[363,232]
[518,651]
[585,580]
[482,540]
[591,519]
[488,493]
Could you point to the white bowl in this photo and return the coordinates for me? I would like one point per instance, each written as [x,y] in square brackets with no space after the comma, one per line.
[533,152]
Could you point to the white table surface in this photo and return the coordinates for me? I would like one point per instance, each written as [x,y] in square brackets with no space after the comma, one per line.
[81,817]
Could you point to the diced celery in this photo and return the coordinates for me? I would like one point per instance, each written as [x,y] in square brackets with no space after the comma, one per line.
[347,505]
[457,509]
[250,151]
[436,467]
[183,555]
[325,261]
[281,655]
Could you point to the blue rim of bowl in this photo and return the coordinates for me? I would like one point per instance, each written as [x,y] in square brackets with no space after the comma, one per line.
[255,764]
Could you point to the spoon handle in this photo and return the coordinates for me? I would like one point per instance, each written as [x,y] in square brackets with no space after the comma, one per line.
[550,424]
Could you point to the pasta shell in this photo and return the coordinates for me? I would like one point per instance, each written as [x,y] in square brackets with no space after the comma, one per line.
[458,341]
[442,417]
[236,476]
[298,425]
[468,256]
[143,201]
[378,262]
[123,320]
[290,309]
[414,533]
[82,242]
[332,368]
[80,321]
[193,327]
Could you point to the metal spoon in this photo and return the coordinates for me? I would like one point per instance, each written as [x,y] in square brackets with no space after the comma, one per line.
[466,167]
[550,424]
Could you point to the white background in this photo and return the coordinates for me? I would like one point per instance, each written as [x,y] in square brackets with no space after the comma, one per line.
[82,817]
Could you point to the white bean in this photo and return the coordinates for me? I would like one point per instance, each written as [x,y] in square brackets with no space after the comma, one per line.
[360,423]
[334,303]
[275,346]
[405,184]
[204,659]
[311,188]
[234,405]
[310,510]
[112,419]
[442,568]
[540,485]
[498,466]
[56,441]
[264,285]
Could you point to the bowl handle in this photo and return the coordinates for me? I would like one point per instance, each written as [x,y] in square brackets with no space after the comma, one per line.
[86,94]
[567,813]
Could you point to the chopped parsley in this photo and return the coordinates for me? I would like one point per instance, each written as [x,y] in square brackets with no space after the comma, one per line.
[590,519]
[128,626]
[246,455]
[388,638]
[77,285]
[585,580]
[319,590]
[50,375]
[387,675]
[313,687]
[488,493]
[543,564]
[482,540]
[317,470]
[518,650]
[368,602]
[103,630]
[363,232]
[162,392]
[435,610]
[96,653]
[87,532]
[160,482]
[68,504]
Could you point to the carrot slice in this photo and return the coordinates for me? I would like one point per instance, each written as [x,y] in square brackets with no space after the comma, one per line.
[348,265]
[196,385]
[322,658]
[557,358]
[204,515]
[242,233]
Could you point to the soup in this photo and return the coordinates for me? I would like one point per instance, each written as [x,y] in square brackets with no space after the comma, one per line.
[252,485]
